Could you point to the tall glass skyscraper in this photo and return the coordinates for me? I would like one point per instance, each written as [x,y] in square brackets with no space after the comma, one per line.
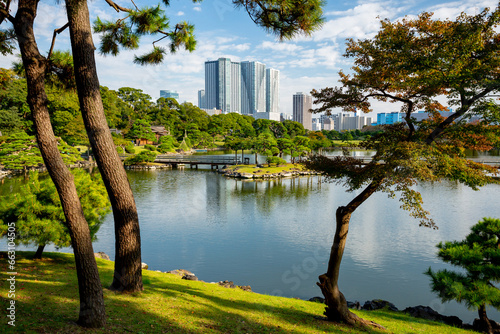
[272,90]
[301,105]
[243,87]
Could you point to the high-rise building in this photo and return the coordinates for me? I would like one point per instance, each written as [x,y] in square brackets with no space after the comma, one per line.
[222,85]
[302,103]
[253,81]
[272,90]
[201,99]
[344,121]
[169,94]
[245,87]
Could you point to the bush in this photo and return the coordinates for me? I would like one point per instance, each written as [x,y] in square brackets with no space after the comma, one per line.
[143,157]
[164,148]
[275,160]
[130,149]
[119,149]
[150,147]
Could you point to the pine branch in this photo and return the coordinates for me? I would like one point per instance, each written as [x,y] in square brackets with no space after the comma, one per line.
[56,32]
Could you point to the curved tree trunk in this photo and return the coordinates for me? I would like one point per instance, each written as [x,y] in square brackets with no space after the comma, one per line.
[485,322]
[336,309]
[128,272]
[92,313]
[39,252]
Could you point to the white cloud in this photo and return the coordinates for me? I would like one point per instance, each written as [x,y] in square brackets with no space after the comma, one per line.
[451,10]
[180,13]
[197,8]
[280,47]
[361,21]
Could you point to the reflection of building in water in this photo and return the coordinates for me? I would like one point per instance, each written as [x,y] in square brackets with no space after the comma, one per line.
[216,197]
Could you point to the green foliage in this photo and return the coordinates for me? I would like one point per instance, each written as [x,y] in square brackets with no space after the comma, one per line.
[285,19]
[141,158]
[185,145]
[479,255]
[20,150]
[38,215]
[415,62]
[10,121]
[7,41]
[141,130]
[275,160]
[119,149]
[130,149]
[126,33]
[150,147]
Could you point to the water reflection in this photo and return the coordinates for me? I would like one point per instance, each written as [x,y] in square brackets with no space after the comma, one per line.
[275,235]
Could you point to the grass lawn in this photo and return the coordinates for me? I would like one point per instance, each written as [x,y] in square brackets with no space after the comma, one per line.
[265,170]
[47,302]
[348,143]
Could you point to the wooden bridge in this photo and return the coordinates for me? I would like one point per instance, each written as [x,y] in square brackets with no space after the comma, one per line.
[194,160]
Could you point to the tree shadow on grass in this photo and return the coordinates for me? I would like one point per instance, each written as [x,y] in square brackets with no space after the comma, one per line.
[47,302]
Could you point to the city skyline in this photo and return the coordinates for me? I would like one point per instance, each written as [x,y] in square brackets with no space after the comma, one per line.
[305,62]
[246,87]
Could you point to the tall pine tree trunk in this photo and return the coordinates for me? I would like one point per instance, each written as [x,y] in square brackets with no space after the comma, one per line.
[336,305]
[128,272]
[92,313]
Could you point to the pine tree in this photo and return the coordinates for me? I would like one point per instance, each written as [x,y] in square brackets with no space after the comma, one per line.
[37,212]
[479,255]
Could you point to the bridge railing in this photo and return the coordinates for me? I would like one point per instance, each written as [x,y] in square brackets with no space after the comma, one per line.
[210,159]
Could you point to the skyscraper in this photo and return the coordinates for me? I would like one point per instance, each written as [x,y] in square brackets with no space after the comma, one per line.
[253,76]
[202,99]
[272,90]
[301,105]
[244,87]
[222,85]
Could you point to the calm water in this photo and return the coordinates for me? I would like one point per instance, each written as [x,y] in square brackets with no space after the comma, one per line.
[275,235]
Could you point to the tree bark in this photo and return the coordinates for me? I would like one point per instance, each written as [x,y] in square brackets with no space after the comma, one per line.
[92,313]
[39,252]
[128,272]
[483,318]
[336,309]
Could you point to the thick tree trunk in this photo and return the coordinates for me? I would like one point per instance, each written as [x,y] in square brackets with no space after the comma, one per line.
[92,313]
[39,252]
[336,309]
[485,322]
[128,272]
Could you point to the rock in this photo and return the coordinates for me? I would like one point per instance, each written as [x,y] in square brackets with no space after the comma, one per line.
[317,300]
[354,305]
[180,272]
[425,312]
[102,255]
[144,265]
[378,304]
[191,277]
[231,285]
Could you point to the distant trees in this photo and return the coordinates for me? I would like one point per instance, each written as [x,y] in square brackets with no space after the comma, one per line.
[413,62]
[479,255]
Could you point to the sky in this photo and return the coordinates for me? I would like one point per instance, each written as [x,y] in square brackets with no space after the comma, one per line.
[221,30]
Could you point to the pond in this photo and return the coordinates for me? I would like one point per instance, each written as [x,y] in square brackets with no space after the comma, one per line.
[276,235]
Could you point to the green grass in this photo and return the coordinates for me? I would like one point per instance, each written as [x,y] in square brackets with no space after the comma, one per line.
[347,143]
[265,170]
[47,302]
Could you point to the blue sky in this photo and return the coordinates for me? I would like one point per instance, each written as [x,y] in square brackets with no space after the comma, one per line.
[224,31]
